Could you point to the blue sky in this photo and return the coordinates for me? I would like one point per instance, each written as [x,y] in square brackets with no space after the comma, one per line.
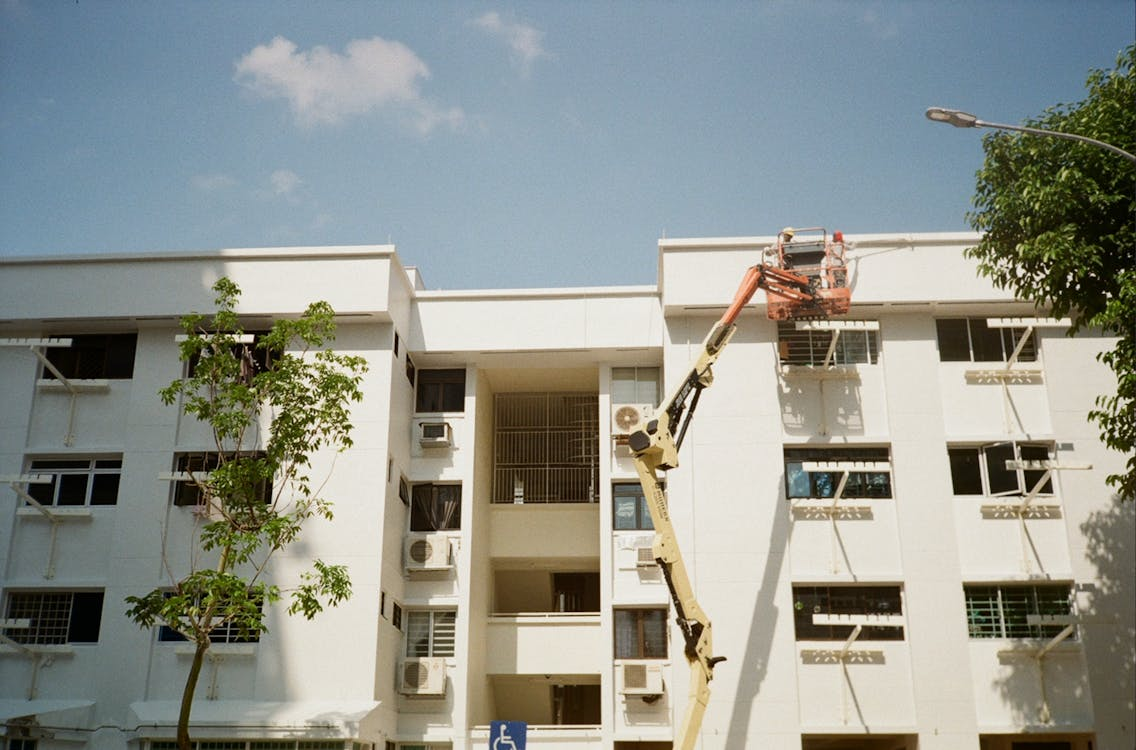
[527,144]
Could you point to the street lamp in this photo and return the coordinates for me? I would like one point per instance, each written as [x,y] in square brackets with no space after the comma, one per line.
[961,119]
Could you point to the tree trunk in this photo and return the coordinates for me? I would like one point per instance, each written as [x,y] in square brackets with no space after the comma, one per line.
[183,741]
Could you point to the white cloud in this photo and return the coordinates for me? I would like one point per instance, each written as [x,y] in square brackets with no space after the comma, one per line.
[525,42]
[322,86]
[208,183]
[284,181]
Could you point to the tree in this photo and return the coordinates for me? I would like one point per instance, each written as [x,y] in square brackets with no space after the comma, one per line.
[255,488]
[1057,219]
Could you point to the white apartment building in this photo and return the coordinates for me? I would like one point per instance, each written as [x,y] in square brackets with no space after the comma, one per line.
[878,576]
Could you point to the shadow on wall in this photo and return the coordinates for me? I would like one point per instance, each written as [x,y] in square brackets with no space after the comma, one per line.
[1109,639]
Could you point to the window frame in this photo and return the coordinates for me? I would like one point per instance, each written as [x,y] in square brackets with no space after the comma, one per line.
[1025,479]
[864,485]
[853,600]
[980,347]
[440,387]
[92,472]
[808,348]
[93,356]
[1016,625]
[82,627]
[435,644]
[646,645]
[226,633]
[432,517]
[642,514]
[186,494]
[646,383]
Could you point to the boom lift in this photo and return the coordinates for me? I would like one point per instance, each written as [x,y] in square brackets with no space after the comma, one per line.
[805,279]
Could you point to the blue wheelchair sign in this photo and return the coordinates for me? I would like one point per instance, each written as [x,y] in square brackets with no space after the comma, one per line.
[507,735]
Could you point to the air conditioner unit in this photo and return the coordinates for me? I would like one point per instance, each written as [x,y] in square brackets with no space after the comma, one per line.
[641,679]
[422,676]
[626,418]
[427,552]
[645,557]
[435,435]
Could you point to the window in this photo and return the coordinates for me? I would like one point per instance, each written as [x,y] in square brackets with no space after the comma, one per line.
[76,481]
[409,370]
[396,343]
[630,508]
[845,600]
[253,357]
[225,632]
[94,356]
[1003,610]
[860,484]
[188,493]
[403,490]
[635,385]
[17,743]
[981,470]
[430,632]
[971,340]
[640,634]
[396,615]
[440,390]
[276,744]
[56,617]
[809,347]
[435,507]
[383,604]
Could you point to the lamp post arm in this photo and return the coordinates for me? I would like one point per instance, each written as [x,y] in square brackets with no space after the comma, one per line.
[1057,134]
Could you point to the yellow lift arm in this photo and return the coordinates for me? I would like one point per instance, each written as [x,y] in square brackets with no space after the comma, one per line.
[655,450]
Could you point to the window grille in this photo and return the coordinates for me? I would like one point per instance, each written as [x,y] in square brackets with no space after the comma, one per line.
[430,632]
[56,617]
[1003,611]
[810,347]
[546,448]
[845,600]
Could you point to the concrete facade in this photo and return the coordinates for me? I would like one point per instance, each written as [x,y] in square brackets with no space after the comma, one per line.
[527,616]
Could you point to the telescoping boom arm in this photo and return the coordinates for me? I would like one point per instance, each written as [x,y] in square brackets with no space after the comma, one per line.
[655,449]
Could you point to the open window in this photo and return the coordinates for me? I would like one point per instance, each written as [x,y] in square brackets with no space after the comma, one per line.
[974,340]
[46,618]
[103,356]
[191,466]
[981,469]
[430,632]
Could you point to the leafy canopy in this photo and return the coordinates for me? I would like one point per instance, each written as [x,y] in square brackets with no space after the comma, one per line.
[1057,219]
[266,422]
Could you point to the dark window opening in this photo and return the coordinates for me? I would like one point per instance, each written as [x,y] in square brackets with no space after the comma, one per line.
[76,482]
[435,507]
[440,390]
[1005,611]
[253,356]
[94,357]
[640,634]
[845,600]
[972,340]
[55,617]
[981,470]
[576,592]
[187,493]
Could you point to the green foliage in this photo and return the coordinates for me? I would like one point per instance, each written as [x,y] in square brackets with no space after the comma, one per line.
[1058,219]
[266,422]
